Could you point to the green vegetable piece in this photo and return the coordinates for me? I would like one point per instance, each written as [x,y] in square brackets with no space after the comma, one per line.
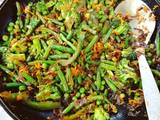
[91,44]
[111,85]
[61,56]
[100,114]
[13,85]
[63,80]
[108,34]
[22,88]
[68,42]
[76,54]
[63,49]
[18,8]
[108,67]
[68,108]
[47,105]
[5,37]
[158,42]
[82,90]
[29,79]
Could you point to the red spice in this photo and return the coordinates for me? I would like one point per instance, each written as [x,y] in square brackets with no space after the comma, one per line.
[77,70]
[97,50]
[23,68]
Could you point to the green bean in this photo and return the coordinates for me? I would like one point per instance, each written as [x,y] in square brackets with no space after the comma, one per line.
[70,35]
[37,45]
[111,85]
[18,8]
[98,80]
[108,67]
[56,22]
[47,105]
[79,113]
[47,50]
[29,79]
[61,56]
[108,34]
[69,108]
[63,80]
[44,45]
[75,55]
[52,32]
[91,44]
[50,62]
[69,43]
[13,85]
[121,29]
[158,42]
[62,48]
[41,17]
[33,24]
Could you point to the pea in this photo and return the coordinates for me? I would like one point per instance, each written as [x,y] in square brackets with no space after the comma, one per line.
[10,65]
[45,12]
[82,90]
[17,22]
[102,87]
[44,65]
[78,95]
[22,88]
[103,82]
[5,37]
[10,29]
[74,98]
[11,24]
[149,62]
[98,102]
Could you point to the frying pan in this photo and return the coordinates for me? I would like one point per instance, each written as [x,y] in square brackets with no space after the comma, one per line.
[21,112]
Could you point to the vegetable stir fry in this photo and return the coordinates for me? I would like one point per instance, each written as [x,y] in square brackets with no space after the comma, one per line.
[72,56]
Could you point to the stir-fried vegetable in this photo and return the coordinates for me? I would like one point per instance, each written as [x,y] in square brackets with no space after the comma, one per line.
[74,55]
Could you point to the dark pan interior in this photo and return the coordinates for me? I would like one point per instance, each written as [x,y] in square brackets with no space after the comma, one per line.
[20,112]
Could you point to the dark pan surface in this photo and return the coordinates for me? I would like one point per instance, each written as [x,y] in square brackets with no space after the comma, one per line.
[20,112]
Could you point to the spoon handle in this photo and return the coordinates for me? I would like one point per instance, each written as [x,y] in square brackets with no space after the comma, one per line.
[150,89]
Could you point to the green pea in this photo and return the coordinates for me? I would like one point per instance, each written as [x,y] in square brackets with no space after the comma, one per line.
[78,95]
[103,82]
[102,87]
[17,22]
[22,88]
[44,65]
[82,90]
[11,24]
[98,102]
[10,29]
[10,65]
[149,62]
[45,12]
[74,98]
[5,37]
